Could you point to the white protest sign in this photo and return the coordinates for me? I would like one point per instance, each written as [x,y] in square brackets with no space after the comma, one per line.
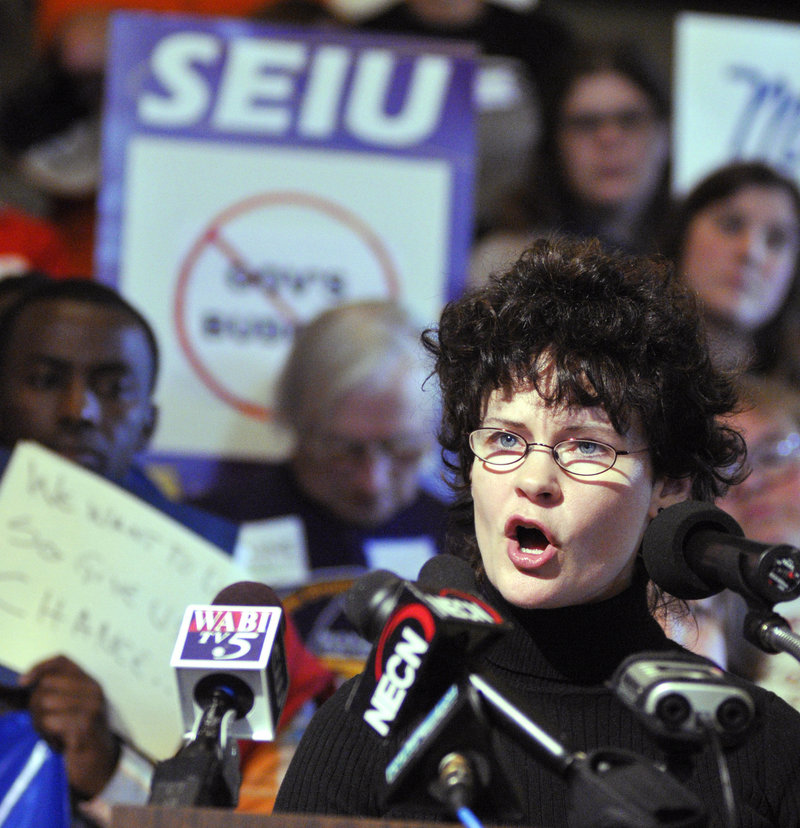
[256,175]
[737,95]
[274,551]
[104,578]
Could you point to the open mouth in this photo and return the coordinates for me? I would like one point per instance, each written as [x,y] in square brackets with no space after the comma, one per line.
[531,539]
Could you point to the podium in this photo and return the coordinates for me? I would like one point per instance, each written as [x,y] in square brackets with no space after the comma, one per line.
[154,816]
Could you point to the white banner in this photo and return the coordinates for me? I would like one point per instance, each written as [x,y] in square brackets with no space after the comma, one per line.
[737,95]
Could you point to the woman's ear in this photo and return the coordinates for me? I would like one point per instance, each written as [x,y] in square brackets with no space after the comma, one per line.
[667,491]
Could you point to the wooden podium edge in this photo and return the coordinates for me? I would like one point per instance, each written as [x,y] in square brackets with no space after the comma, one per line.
[157,816]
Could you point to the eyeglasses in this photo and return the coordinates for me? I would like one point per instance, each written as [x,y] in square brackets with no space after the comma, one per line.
[350,452]
[585,458]
[625,120]
[775,454]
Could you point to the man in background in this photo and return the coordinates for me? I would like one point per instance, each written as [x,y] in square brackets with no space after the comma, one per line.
[78,369]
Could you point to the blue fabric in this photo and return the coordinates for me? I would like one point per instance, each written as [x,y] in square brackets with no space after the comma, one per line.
[216,530]
[33,780]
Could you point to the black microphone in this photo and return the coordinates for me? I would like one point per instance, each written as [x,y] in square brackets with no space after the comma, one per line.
[371,600]
[234,646]
[230,663]
[448,573]
[452,757]
[694,549]
[420,637]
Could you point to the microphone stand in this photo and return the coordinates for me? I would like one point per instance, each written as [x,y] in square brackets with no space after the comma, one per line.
[769,631]
[608,786]
[205,770]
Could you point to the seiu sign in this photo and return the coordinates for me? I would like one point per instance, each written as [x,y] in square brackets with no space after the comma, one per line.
[303,87]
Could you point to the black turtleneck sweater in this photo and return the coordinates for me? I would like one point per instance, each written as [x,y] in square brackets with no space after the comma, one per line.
[554,664]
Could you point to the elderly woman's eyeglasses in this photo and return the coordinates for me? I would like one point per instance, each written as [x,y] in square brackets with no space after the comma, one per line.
[585,458]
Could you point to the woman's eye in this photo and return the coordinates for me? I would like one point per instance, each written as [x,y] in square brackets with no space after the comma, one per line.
[588,447]
[730,223]
[506,440]
[777,238]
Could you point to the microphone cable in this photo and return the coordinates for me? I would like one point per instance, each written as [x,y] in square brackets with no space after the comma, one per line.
[467,818]
[457,778]
[723,771]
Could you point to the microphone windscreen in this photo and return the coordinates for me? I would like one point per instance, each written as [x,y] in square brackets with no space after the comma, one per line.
[370,601]
[665,542]
[447,572]
[248,594]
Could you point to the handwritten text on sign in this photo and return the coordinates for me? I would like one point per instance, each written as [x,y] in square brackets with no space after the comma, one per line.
[97,574]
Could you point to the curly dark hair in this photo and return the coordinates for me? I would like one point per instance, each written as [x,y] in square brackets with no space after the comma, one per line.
[612,330]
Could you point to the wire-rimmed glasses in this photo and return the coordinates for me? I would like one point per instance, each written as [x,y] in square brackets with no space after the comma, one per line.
[585,458]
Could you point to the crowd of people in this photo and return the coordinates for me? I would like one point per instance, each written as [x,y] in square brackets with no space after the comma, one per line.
[616,350]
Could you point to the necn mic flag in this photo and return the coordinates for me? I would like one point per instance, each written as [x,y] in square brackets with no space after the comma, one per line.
[422,640]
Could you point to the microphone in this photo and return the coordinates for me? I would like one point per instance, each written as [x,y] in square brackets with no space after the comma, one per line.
[230,663]
[447,573]
[452,757]
[679,697]
[694,549]
[234,647]
[420,638]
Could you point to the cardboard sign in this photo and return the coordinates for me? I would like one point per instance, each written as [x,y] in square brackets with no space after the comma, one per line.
[255,176]
[737,95]
[93,572]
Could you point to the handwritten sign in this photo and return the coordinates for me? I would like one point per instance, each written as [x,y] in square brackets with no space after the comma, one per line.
[97,574]
[737,94]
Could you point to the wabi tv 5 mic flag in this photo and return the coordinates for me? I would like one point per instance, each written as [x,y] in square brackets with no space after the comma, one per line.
[234,645]
[422,641]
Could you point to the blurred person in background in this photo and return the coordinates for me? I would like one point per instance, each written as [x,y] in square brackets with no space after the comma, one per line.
[363,428]
[735,239]
[50,123]
[28,239]
[351,393]
[767,507]
[601,167]
[521,52]
[78,370]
